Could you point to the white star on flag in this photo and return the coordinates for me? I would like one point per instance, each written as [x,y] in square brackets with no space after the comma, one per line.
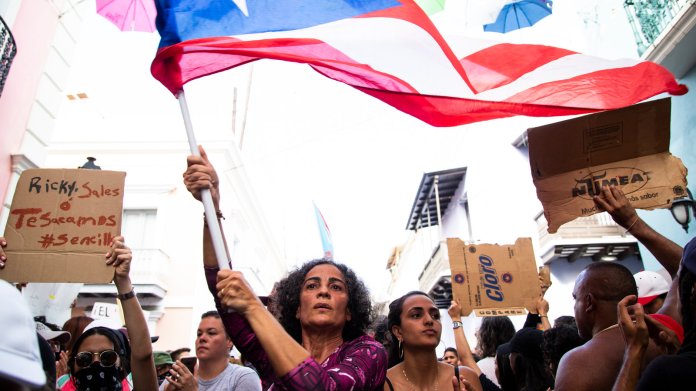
[242,5]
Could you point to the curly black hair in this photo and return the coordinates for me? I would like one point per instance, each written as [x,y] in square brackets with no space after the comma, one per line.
[558,341]
[396,307]
[286,300]
[494,331]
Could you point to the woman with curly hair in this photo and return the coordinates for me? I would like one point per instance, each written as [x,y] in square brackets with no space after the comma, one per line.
[414,323]
[493,332]
[318,340]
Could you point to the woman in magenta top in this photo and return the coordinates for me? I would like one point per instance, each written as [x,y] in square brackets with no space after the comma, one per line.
[316,340]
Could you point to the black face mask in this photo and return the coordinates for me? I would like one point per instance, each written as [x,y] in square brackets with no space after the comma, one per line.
[161,378]
[98,378]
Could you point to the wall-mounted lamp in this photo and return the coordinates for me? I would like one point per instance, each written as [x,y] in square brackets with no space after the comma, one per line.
[682,208]
[90,164]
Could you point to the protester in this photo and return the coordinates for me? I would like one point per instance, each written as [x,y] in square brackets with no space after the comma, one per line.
[414,322]
[215,372]
[55,360]
[56,337]
[163,363]
[20,359]
[503,370]
[669,254]
[598,289]
[667,372]
[381,333]
[324,311]
[494,331]
[466,357]
[75,326]
[652,290]
[527,361]
[99,358]
[565,320]
[557,341]
[179,353]
[451,357]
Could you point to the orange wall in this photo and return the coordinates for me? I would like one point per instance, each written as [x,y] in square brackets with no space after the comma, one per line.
[33,31]
[173,332]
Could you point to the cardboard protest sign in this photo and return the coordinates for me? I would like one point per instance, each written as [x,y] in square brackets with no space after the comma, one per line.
[628,148]
[60,225]
[492,279]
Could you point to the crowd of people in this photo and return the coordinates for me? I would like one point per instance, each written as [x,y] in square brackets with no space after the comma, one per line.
[318,331]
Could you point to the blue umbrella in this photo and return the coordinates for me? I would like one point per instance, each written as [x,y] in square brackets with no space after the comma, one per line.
[519,14]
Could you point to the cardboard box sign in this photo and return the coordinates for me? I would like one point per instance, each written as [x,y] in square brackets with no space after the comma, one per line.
[629,148]
[492,279]
[60,225]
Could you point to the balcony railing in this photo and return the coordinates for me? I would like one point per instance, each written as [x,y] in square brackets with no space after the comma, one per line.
[583,228]
[8,50]
[150,267]
[649,18]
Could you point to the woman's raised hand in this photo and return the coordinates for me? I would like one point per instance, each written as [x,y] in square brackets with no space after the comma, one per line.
[454,311]
[234,292]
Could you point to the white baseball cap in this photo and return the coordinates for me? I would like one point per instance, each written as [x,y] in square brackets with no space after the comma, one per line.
[20,360]
[650,285]
[48,334]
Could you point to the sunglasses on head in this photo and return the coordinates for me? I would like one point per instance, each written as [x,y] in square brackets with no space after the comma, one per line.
[107,358]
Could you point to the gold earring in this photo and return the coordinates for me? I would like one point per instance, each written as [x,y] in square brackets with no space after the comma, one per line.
[401,350]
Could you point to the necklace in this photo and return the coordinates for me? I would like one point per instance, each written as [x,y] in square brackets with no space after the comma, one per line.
[606,329]
[412,385]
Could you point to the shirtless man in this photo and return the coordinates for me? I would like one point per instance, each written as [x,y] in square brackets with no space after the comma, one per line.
[594,365]
[598,289]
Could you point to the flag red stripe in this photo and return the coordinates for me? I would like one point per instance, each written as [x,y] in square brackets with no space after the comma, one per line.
[603,90]
[445,111]
[503,63]
[178,64]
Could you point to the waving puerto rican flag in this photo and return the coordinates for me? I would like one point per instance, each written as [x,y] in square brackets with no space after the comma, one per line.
[390,50]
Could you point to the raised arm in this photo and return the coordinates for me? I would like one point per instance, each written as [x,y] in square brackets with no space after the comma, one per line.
[256,332]
[542,307]
[635,333]
[613,200]
[200,174]
[141,359]
[462,345]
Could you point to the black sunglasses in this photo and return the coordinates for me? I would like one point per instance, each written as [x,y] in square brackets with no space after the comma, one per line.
[107,358]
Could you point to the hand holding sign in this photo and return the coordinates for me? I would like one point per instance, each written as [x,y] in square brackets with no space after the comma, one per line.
[119,256]
[60,223]
[612,200]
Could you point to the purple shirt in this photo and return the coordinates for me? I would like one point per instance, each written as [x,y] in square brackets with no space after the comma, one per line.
[360,364]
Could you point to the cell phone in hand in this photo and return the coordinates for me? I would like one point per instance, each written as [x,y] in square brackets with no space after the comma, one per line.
[189,362]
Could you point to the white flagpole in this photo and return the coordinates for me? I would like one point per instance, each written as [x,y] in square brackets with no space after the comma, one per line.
[206,197]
